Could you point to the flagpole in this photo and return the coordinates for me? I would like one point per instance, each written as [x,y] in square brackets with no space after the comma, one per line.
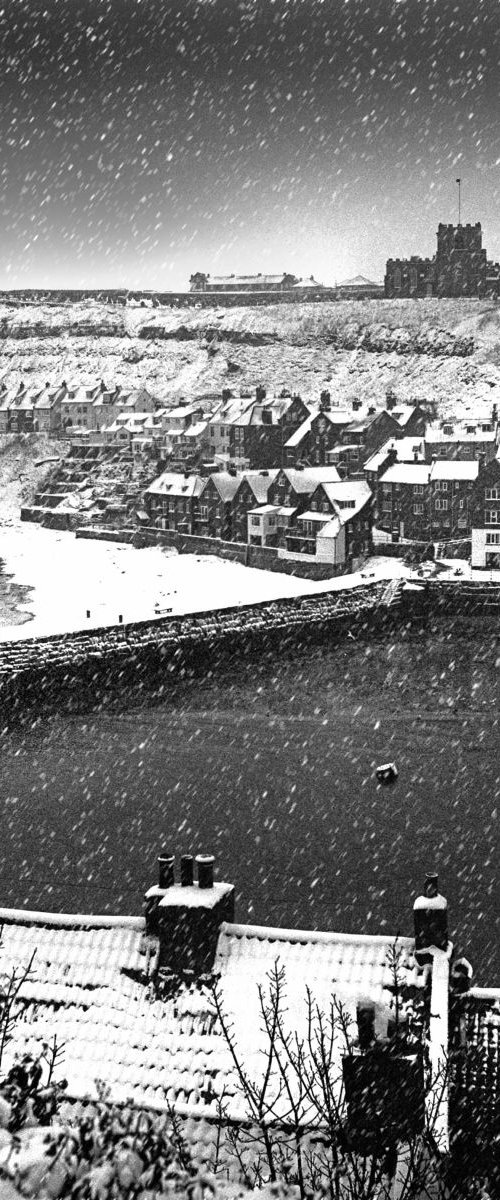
[459,181]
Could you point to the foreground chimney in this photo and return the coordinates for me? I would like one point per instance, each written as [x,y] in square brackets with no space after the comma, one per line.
[430,914]
[156,893]
[186,917]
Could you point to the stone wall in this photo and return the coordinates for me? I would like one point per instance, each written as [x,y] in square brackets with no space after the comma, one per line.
[263,558]
[99,666]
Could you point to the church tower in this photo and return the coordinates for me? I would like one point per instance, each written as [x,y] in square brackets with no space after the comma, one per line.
[460,261]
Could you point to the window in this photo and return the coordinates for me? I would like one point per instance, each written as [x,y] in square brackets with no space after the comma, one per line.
[386,506]
[255,520]
[204,512]
[386,489]
[441,505]
[397,279]
[492,516]
[417,509]
[492,493]
[441,485]
[418,489]
[272,522]
[307,527]
[493,539]
[462,504]
[448,430]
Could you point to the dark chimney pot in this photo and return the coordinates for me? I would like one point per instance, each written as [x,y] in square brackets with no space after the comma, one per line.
[166,874]
[205,864]
[187,870]
[430,914]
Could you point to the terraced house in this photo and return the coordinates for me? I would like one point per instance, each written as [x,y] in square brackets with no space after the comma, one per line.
[425,502]
[170,501]
[256,435]
[336,527]
[213,506]
[469,438]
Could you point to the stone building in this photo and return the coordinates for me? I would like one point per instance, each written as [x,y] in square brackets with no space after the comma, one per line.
[460,267]
[201,282]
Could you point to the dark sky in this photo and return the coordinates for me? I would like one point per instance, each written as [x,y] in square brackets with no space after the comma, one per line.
[146,139]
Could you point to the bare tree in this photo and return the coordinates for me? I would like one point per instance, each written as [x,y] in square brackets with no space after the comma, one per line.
[328,1116]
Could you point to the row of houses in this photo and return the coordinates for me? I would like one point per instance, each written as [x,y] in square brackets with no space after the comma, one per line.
[418,496]
[67,407]
[308,514]
[406,490]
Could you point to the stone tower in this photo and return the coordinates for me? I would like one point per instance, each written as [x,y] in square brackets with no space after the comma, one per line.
[460,261]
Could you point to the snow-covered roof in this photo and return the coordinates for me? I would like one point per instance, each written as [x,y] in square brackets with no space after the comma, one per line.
[349,496]
[173,483]
[239,280]
[459,433]
[358,281]
[407,472]
[260,482]
[455,468]
[406,448]
[306,481]
[402,413]
[91,985]
[227,484]
[300,433]
[312,515]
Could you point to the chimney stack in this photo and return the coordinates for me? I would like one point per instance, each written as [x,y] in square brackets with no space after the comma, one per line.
[185,918]
[430,915]
[166,879]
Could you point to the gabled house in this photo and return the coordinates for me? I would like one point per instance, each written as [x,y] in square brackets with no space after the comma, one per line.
[485,517]
[292,486]
[21,409]
[336,527]
[213,508]
[138,400]
[316,436]
[252,492]
[77,406]
[170,501]
[176,423]
[47,413]
[469,438]
[257,434]
[7,398]
[412,418]
[360,439]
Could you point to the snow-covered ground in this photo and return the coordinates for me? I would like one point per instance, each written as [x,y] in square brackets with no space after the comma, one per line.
[71,576]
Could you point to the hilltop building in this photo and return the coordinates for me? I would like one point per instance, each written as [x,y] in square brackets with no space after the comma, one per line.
[460,267]
[200,282]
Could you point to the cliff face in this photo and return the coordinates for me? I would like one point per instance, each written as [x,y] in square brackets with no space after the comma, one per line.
[447,351]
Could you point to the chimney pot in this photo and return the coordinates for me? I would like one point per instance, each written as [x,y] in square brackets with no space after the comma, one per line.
[187,870]
[430,913]
[166,875]
[205,865]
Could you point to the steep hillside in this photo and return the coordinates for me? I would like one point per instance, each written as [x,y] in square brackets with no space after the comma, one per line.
[24,463]
[447,351]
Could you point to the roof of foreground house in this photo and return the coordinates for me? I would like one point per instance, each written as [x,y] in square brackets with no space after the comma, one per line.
[92,985]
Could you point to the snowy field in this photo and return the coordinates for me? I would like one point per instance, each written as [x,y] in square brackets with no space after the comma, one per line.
[71,576]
